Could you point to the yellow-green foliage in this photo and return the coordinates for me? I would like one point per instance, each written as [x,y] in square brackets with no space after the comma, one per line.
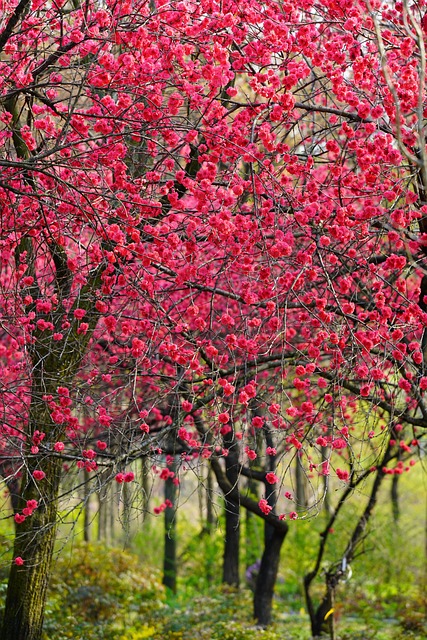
[99,592]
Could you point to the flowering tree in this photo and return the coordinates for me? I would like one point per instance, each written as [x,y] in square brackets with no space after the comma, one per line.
[213,218]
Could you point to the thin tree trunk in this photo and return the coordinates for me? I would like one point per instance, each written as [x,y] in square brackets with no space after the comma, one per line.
[145,467]
[127,508]
[169,558]
[113,502]
[102,514]
[321,618]
[394,495]
[301,499]
[273,540]
[230,569]
[211,520]
[252,532]
[86,508]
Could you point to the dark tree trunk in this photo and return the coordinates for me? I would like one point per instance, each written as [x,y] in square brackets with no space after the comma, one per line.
[14,493]
[264,590]
[323,622]
[169,559]
[230,570]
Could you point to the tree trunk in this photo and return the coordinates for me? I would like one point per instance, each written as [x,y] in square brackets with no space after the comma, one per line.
[252,531]
[301,499]
[127,509]
[169,559]
[211,520]
[323,622]
[264,590]
[230,569]
[86,507]
[394,495]
[321,618]
[34,542]
[145,482]
[102,495]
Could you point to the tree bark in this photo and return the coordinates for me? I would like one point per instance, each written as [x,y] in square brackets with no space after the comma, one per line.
[34,542]
[230,568]
[211,520]
[300,481]
[169,558]
[394,495]
[102,515]
[86,507]
[267,576]
[323,622]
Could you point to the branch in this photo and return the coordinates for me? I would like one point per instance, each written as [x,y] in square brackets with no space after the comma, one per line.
[235,496]
[19,10]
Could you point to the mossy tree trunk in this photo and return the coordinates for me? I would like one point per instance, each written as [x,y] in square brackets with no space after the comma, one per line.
[34,543]
[35,537]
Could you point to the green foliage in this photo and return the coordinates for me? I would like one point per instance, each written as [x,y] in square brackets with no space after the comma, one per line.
[199,553]
[99,592]
[224,614]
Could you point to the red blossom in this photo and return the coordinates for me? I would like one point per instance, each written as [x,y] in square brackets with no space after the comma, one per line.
[264,506]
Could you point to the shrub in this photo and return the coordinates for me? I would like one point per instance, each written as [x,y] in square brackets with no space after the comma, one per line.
[99,592]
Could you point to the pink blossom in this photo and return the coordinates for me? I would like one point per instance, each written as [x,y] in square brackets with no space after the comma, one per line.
[264,506]
[271,478]
[343,475]
[324,468]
